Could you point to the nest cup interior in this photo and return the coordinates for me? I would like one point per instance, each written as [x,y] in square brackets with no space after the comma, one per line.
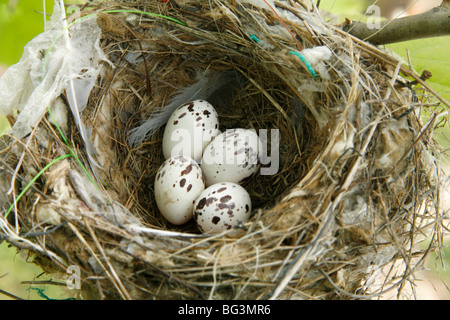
[240,103]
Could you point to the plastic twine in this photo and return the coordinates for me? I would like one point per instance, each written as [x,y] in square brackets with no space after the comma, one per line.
[306,62]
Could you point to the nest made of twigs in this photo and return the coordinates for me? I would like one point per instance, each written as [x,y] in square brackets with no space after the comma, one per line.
[355,191]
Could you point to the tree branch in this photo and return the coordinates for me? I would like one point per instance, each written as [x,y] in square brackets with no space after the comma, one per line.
[433,23]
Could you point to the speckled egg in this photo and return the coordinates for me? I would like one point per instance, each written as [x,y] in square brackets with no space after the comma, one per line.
[190,128]
[231,157]
[178,183]
[221,207]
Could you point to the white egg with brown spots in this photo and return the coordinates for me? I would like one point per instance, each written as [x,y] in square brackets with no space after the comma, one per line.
[178,183]
[190,128]
[222,206]
[231,157]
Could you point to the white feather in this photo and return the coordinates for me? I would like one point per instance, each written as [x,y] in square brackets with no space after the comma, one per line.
[213,88]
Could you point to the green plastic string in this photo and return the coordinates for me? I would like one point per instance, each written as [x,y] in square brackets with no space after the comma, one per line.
[255,38]
[306,62]
[127,11]
[34,180]
[147,13]
[41,293]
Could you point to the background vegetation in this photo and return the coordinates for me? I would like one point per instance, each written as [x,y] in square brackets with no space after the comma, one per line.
[21,20]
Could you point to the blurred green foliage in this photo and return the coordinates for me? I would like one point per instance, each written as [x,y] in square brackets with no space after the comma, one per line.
[20,21]
[352,9]
[430,54]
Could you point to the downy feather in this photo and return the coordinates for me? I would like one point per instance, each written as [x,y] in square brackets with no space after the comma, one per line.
[216,88]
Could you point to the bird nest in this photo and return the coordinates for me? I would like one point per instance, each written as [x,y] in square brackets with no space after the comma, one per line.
[351,183]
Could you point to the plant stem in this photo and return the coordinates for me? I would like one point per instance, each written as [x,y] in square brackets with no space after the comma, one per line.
[433,23]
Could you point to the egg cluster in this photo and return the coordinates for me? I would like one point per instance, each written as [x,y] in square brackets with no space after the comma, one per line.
[202,175]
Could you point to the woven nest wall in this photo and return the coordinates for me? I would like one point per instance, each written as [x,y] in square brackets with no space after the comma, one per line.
[355,191]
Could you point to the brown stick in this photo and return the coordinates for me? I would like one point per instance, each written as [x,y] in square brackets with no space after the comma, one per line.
[433,23]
